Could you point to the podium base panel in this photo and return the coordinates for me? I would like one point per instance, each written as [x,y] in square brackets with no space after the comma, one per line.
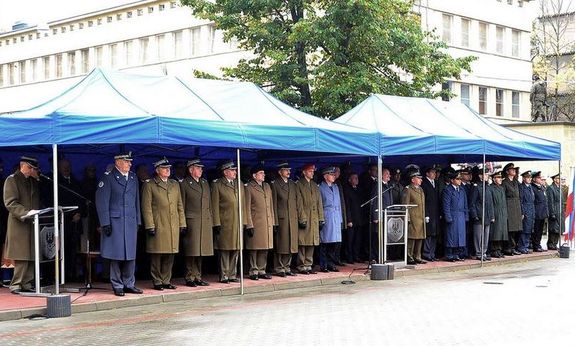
[58,305]
[382,271]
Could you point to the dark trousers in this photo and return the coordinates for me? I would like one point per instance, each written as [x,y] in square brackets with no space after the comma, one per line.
[161,268]
[72,231]
[352,243]
[523,244]
[122,274]
[512,241]
[429,246]
[327,256]
[552,240]
[453,253]
[537,233]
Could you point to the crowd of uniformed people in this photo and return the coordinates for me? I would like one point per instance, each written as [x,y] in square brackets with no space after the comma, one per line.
[292,223]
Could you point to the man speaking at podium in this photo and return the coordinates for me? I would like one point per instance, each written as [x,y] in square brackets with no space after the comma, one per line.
[118,205]
[20,196]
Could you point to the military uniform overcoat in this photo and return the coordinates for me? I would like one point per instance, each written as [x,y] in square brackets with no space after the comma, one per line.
[556,224]
[456,214]
[414,195]
[118,205]
[226,214]
[498,231]
[260,216]
[527,206]
[197,201]
[287,206]
[21,195]
[514,222]
[332,212]
[312,212]
[163,210]
[432,206]
[541,209]
[476,203]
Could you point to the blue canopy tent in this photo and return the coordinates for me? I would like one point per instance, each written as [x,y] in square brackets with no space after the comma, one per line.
[411,126]
[106,109]
[431,131]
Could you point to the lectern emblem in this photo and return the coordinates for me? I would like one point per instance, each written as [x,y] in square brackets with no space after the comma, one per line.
[394,230]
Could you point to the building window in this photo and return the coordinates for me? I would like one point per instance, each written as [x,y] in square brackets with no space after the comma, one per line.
[140,12]
[114,55]
[34,69]
[63,29]
[99,56]
[509,2]
[161,7]
[109,19]
[173,4]
[482,100]
[38,35]
[12,73]
[520,3]
[515,104]
[85,54]
[195,41]
[71,63]
[446,87]
[22,68]
[211,38]
[59,66]
[128,51]
[54,31]
[71,27]
[90,23]
[465,24]
[516,43]
[500,33]
[119,16]
[499,102]
[483,36]
[1,75]
[465,94]
[46,61]
[178,53]
[30,37]
[151,9]
[160,43]
[129,14]
[80,26]
[99,21]
[144,44]
[446,33]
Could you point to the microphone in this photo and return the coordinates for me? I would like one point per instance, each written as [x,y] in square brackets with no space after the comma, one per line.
[45,176]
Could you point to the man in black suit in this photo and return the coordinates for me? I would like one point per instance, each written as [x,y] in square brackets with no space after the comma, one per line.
[431,191]
[355,220]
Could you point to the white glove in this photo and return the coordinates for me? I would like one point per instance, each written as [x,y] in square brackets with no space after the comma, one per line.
[427,219]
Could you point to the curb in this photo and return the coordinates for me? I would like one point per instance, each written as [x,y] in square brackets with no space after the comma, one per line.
[10,315]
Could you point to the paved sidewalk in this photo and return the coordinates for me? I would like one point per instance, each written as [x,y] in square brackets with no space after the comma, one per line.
[101,298]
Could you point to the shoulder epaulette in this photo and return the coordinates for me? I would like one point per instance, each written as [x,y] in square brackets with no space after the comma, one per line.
[147,181]
[107,173]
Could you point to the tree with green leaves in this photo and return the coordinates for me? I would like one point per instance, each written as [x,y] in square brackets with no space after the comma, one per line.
[326,56]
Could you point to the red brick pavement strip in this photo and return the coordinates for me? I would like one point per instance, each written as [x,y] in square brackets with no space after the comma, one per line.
[15,307]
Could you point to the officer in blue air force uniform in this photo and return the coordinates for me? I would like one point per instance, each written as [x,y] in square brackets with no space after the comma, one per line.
[118,205]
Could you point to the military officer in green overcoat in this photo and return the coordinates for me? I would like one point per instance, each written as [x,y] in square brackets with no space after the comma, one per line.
[164,220]
[198,240]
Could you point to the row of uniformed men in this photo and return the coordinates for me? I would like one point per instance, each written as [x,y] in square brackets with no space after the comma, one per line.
[284,215]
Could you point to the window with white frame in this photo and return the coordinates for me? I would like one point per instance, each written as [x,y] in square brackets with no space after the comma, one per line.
[34,69]
[515,104]
[483,36]
[12,73]
[195,41]
[446,33]
[129,51]
[85,55]
[482,100]
[71,63]
[515,43]
[144,46]
[46,63]
[1,75]
[500,36]
[59,71]
[114,55]
[99,56]
[465,25]
[465,94]
[178,37]
[160,45]
[499,97]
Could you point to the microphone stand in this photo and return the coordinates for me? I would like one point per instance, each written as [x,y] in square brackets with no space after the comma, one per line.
[88,281]
[369,236]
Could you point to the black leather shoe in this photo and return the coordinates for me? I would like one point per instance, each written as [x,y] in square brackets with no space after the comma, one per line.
[133,290]
[515,252]
[254,277]
[281,274]
[291,274]
[201,282]
[304,272]
[333,269]
[312,271]
[191,283]
[169,286]
[224,281]
[234,280]
[324,270]
[119,293]
[16,291]
[538,250]
[265,276]
[159,287]
[411,262]
[420,261]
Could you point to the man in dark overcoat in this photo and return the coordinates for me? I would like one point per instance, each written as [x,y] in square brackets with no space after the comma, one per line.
[528,211]
[482,218]
[556,213]
[354,217]
[456,212]
[413,194]
[541,211]
[514,220]
[118,206]
[498,234]
[432,205]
